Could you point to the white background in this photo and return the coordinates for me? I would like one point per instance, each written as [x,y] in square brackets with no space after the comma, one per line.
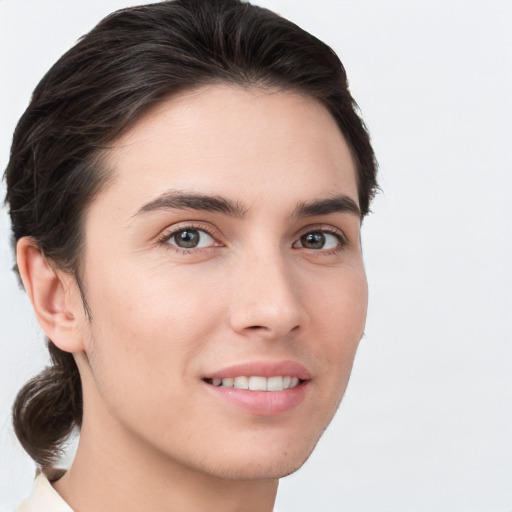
[426,424]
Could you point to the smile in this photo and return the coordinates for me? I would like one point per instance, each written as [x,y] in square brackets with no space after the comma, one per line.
[256,383]
[263,388]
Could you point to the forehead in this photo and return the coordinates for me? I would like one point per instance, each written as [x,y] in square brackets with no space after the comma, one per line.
[229,140]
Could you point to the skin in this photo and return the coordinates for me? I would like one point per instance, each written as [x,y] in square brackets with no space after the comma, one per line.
[153,436]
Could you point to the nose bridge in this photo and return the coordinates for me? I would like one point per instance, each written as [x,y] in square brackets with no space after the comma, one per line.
[265,296]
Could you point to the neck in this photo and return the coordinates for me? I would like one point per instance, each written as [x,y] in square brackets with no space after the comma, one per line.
[122,476]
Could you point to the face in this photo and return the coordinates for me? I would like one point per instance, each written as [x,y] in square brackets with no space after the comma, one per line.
[223,255]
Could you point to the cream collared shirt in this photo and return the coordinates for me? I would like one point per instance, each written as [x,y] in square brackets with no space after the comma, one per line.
[44,498]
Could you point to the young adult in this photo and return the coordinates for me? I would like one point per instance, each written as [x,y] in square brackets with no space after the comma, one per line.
[186,190]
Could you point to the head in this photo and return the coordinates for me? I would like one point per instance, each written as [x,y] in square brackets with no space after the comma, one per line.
[190,202]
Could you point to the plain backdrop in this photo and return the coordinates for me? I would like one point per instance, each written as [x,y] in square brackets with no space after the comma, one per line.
[426,423]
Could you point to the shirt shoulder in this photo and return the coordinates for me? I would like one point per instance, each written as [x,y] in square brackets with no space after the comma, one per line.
[43,498]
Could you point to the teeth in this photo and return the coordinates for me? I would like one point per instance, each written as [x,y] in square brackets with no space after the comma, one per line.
[240,382]
[275,384]
[227,383]
[257,383]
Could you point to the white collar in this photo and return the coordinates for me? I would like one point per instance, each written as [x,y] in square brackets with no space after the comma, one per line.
[44,498]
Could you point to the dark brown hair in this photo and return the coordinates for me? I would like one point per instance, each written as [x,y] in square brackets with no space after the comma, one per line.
[130,61]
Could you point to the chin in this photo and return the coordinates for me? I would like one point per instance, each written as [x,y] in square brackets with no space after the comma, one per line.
[259,470]
[265,461]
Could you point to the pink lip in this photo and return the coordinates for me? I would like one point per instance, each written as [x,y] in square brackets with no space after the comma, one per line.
[262,403]
[262,369]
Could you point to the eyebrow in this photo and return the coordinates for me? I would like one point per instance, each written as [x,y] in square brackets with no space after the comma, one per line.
[179,200]
[336,204]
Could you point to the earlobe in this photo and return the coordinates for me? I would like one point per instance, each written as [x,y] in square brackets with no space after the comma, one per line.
[51,293]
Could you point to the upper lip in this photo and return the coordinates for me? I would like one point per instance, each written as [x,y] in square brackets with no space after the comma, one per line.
[262,369]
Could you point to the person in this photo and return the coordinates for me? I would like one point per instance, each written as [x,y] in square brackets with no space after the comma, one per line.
[186,191]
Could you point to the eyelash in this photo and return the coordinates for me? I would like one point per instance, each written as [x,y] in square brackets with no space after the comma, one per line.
[168,234]
[339,235]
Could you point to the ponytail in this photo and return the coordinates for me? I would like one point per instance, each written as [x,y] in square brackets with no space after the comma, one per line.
[48,407]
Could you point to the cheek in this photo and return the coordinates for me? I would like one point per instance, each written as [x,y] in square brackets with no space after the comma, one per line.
[340,306]
[338,323]
[146,328]
[153,300]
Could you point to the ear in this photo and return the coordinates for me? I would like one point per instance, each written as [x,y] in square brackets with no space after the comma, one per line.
[54,295]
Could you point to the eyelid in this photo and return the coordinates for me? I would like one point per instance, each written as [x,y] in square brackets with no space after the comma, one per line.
[169,232]
[324,228]
[327,228]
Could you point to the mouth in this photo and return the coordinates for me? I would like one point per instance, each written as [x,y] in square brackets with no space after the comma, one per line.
[264,389]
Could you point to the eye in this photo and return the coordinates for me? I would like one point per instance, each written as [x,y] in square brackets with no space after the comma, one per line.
[318,240]
[189,238]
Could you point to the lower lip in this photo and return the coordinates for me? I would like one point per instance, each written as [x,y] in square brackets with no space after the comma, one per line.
[262,403]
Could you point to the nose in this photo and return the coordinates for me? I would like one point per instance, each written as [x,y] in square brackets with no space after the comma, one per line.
[265,299]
